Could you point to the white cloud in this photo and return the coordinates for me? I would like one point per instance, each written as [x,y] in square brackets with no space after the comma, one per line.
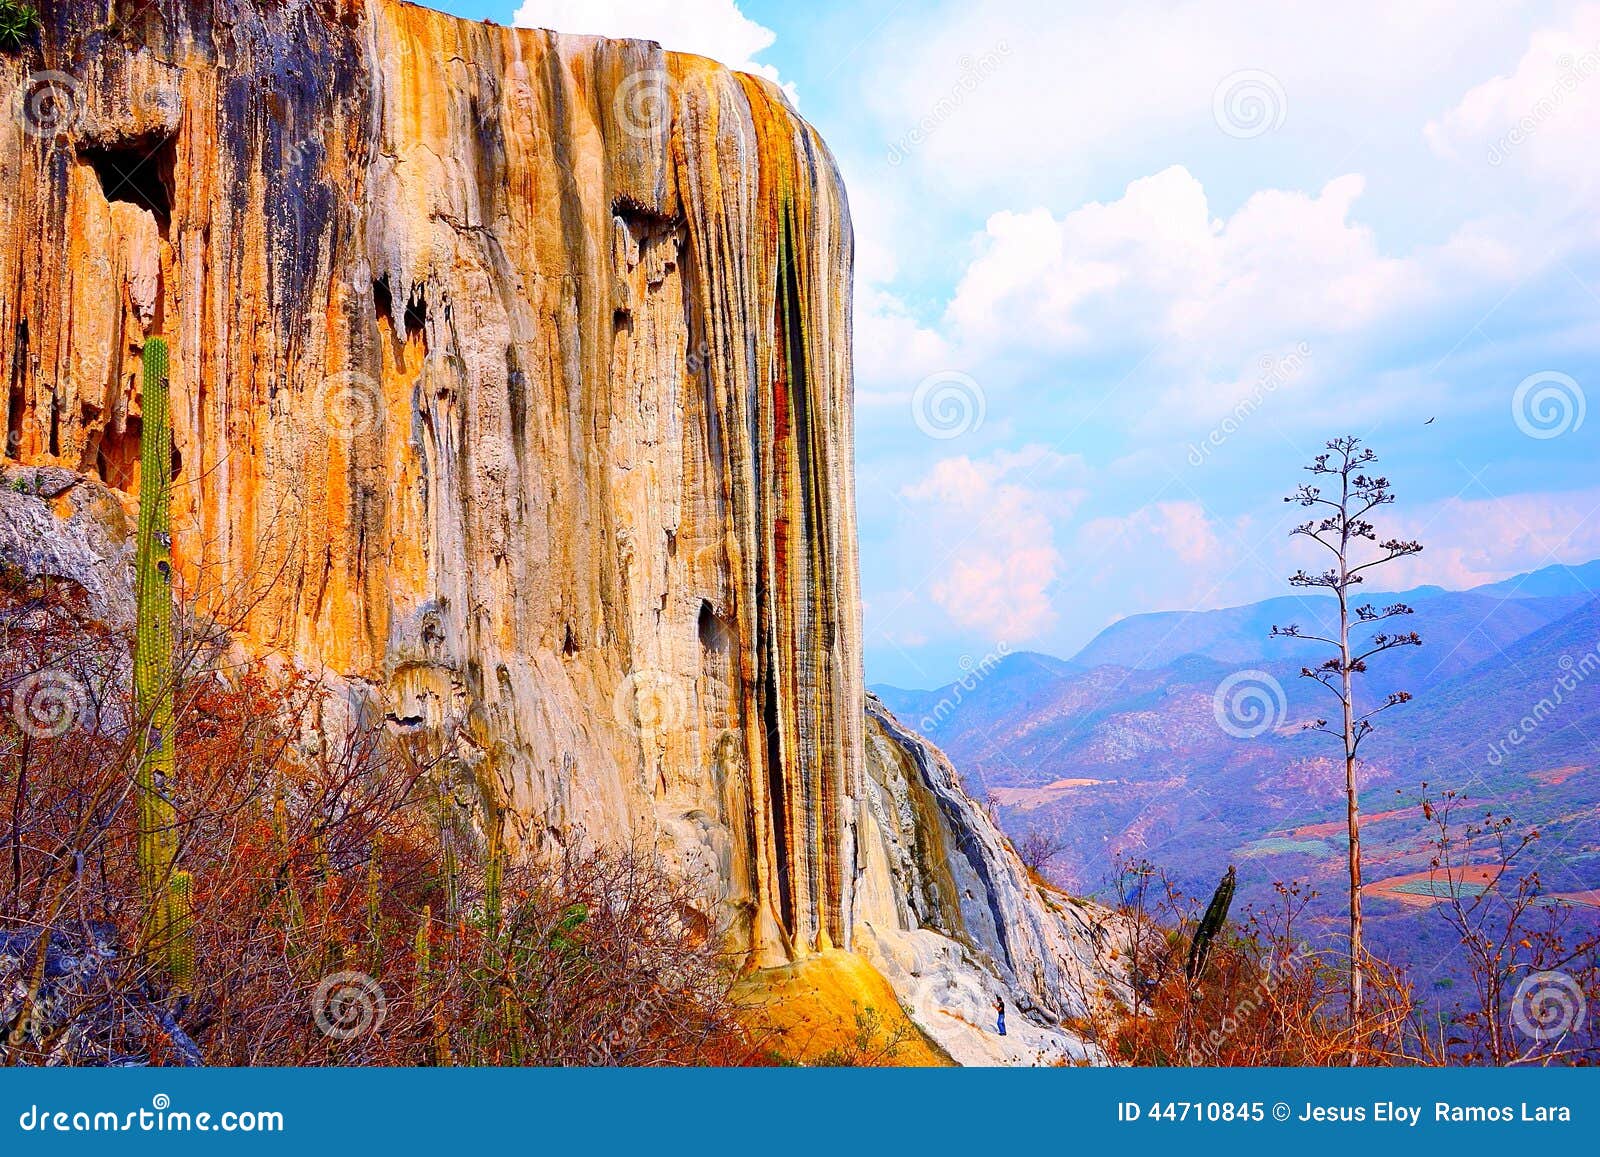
[1167,553]
[1469,541]
[1543,114]
[1077,234]
[893,351]
[713,28]
[1155,266]
[985,533]
[1089,89]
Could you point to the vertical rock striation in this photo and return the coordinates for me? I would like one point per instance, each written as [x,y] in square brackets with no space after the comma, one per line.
[511,383]
[511,387]
[949,914]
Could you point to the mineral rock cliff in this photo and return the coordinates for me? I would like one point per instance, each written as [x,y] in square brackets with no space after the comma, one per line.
[949,914]
[512,389]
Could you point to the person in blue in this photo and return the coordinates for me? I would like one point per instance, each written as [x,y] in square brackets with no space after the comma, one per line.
[1000,1014]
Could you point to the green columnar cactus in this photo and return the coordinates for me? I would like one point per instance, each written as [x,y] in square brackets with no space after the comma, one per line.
[451,874]
[422,948]
[294,910]
[180,930]
[152,657]
[494,871]
[1210,925]
[375,905]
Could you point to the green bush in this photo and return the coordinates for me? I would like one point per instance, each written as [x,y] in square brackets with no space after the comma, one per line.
[16,21]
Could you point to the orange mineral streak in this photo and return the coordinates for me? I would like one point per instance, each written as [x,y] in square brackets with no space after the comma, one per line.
[480,341]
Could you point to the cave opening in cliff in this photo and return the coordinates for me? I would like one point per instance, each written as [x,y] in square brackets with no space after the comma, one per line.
[713,632]
[113,452]
[416,319]
[138,171]
[413,324]
[116,455]
[14,425]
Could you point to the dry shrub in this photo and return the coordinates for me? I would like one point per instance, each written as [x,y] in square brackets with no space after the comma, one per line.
[600,960]
[336,919]
[1266,997]
[1262,999]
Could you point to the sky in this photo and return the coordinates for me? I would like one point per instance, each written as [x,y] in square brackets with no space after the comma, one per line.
[1122,269]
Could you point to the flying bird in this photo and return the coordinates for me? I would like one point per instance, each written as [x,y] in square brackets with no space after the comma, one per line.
[1429,422]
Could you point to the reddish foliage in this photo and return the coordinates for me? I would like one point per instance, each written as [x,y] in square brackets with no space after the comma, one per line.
[336,918]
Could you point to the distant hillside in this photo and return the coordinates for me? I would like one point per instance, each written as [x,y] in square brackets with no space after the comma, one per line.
[1464,627]
[1552,580]
[1549,679]
[1018,683]
[1121,751]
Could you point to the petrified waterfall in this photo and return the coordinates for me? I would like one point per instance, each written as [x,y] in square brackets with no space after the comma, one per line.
[510,393]
[511,382]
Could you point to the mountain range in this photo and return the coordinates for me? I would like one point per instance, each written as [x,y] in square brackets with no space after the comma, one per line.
[1181,738]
